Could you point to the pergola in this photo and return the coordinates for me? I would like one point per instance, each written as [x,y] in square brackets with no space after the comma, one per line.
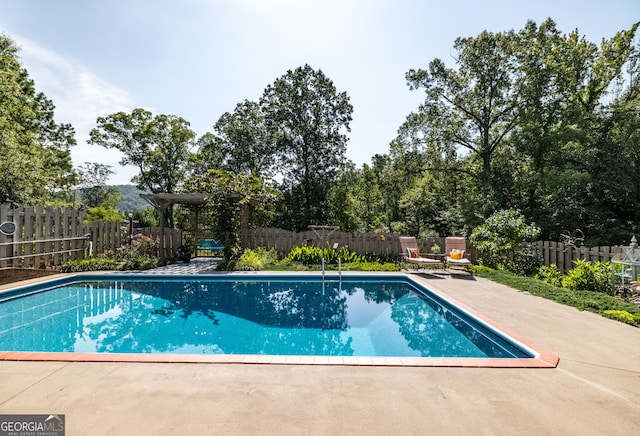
[163,201]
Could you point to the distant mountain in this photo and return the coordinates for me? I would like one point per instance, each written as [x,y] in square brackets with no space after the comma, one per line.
[131,199]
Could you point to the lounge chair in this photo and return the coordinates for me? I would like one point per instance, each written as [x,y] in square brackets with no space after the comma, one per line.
[456,249]
[411,253]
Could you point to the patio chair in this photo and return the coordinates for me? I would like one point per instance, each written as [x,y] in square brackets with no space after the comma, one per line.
[456,250]
[411,253]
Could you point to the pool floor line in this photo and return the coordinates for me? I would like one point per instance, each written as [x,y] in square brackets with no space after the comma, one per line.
[542,359]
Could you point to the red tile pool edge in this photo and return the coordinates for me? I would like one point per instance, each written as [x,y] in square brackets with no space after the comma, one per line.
[544,359]
[547,360]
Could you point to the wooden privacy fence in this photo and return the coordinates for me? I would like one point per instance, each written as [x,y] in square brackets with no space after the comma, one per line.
[362,243]
[283,240]
[564,255]
[48,237]
[43,237]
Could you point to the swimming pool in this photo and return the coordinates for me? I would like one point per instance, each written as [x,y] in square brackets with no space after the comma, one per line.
[372,317]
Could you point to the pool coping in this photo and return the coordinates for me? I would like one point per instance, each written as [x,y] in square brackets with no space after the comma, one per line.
[543,358]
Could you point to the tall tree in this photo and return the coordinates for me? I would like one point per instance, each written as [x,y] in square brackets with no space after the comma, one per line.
[247,145]
[568,165]
[30,138]
[94,190]
[309,118]
[367,200]
[159,146]
[210,154]
[473,106]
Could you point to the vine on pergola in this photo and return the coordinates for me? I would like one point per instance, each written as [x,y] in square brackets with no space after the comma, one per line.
[232,199]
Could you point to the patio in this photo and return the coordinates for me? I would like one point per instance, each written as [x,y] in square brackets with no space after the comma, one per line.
[594,390]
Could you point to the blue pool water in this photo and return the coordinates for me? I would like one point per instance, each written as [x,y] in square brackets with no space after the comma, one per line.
[284,315]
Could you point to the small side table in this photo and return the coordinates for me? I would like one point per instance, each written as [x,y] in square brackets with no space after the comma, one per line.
[438,256]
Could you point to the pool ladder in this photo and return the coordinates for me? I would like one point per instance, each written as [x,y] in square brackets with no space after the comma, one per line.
[339,273]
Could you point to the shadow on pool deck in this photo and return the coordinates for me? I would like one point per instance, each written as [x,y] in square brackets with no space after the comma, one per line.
[594,390]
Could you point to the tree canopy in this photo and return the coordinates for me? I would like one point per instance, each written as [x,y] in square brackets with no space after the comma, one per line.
[30,138]
[309,117]
[533,120]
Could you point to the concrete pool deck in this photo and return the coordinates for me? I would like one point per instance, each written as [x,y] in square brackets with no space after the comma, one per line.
[595,389]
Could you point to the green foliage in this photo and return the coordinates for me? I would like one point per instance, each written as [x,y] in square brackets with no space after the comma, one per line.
[350,260]
[371,266]
[146,217]
[550,274]
[588,277]
[623,316]
[232,196]
[308,118]
[525,262]
[309,255]
[94,192]
[246,144]
[475,105]
[140,255]
[419,204]
[93,264]
[102,213]
[312,255]
[131,201]
[157,145]
[503,233]
[500,238]
[36,166]
[256,259]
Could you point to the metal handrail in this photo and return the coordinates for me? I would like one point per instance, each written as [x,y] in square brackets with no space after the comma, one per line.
[40,241]
[22,256]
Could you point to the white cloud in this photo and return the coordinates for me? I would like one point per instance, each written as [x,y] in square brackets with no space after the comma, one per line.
[80,97]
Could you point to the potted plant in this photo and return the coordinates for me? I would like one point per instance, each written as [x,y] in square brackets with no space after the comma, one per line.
[435,249]
[184,253]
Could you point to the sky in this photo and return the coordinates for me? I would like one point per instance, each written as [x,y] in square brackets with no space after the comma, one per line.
[198,59]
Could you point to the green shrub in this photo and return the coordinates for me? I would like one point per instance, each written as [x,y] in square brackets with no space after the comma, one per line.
[623,316]
[550,274]
[500,238]
[255,259]
[525,263]
[139,263]
[306,255]
[371,266]
[94,264]
[139,255]
[311,255]
[588,277]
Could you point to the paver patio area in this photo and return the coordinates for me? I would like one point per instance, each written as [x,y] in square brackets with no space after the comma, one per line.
[594,390]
